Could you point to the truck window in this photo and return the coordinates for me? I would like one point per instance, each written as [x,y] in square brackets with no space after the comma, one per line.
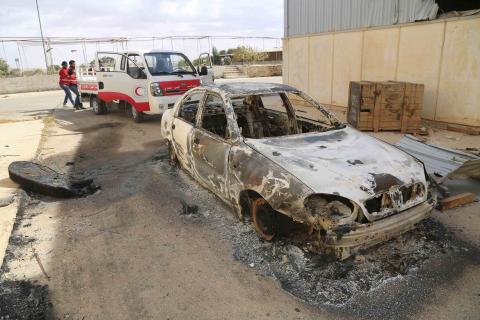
[108,61]
[214,119]
[163,63]
[123,63]
[135,67]
[189,108]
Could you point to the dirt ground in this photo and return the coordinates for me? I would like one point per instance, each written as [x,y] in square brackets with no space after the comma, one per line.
[152,244]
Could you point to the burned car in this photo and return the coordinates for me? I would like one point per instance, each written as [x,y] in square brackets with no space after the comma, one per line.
[276,155]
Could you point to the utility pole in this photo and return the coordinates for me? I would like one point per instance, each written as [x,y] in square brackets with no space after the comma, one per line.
[41,34]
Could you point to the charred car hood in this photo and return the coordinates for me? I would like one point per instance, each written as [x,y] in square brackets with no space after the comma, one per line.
[344,162]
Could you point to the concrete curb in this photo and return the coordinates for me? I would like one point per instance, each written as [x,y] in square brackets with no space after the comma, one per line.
[8,215]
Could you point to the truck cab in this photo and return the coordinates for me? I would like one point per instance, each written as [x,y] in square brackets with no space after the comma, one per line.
[144,82]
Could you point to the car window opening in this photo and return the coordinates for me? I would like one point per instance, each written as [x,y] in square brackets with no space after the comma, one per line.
[214,119]
[269,115]
[189,108]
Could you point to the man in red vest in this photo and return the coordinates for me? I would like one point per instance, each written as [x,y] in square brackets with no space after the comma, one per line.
[64,82]
[73,84]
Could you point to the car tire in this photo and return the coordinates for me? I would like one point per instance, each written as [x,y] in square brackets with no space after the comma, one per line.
[137,116]
[264,219]
[172,156]
[98,106]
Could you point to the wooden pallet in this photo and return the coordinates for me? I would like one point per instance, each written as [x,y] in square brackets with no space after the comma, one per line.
[391,105]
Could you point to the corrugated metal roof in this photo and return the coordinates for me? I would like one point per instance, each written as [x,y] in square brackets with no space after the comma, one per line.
[441,161]
[315,16]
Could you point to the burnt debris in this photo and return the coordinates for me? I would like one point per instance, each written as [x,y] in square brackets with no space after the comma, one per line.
[41,179]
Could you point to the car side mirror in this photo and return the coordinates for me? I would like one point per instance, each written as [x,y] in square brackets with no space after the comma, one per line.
[203,71]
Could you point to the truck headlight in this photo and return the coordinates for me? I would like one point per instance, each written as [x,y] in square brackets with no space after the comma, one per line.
[155,89]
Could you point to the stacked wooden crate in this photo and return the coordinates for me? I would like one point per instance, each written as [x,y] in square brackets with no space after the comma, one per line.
[390,105]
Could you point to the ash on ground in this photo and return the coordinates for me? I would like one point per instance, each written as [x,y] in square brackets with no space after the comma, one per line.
[23,300]
[334,284]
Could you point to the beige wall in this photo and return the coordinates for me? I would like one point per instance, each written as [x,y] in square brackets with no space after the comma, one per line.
[444,55]
[37,82]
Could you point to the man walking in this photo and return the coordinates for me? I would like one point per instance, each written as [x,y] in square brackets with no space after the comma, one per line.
[72,75]
[64,82]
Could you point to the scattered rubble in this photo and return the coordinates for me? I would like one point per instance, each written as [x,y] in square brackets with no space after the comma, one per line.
[440,161]
[457,200]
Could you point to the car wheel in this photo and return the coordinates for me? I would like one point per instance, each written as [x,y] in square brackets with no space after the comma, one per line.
[137,116]
[172,156]
[97,105]
[264,219]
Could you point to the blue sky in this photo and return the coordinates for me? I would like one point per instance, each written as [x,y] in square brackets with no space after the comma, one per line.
[130,18]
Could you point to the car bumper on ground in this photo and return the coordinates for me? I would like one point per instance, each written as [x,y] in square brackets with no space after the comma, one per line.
[346,243]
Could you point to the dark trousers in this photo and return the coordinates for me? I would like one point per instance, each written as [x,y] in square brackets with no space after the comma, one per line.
[68,94]
[74,88]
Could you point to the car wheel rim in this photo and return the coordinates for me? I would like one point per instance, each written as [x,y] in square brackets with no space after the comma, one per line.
[264,219]
[134,113]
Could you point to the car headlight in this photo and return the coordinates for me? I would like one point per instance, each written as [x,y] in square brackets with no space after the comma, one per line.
[331,210]
[155,89]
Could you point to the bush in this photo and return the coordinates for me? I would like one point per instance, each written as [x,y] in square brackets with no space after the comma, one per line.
[14,72]
[33,72]
[248,54]
[3,68]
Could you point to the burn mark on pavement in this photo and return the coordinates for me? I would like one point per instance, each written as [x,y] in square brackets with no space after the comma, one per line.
[23,300]
[189,209]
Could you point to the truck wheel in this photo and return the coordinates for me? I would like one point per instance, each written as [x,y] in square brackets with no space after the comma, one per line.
[137,116]
[97,105]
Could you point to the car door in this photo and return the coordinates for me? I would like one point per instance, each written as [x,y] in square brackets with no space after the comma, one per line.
[121,77]
[210,145]
[184,121]
[205,68]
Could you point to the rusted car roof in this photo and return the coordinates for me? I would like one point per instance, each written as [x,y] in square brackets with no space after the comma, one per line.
[243,88]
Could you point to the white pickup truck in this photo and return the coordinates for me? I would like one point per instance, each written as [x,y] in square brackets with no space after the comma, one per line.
[141,82]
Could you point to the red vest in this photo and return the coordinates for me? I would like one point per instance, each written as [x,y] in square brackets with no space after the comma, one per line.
[64,78]
[72,76]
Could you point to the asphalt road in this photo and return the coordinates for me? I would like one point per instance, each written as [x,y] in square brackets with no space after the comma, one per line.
[31,104]
[153,245]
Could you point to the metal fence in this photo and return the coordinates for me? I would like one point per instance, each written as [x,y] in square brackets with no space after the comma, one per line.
[26,56]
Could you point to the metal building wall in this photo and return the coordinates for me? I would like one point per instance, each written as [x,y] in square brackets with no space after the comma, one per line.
[442,54]
[304,17]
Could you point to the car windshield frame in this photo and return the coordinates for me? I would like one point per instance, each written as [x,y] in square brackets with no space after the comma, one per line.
[334,122]
[153,71]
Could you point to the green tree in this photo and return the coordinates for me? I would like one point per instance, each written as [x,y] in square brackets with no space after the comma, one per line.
[215,56]
[247,54]
[195,62]
[14,72]
[4,68]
